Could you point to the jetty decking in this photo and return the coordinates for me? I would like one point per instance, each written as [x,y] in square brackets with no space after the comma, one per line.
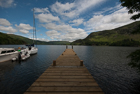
[67,75]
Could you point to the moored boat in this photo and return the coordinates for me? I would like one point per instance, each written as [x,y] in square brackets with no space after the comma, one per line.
[7,54]
[23,54]
[33,50]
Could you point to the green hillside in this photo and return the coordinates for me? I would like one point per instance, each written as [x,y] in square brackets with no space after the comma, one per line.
[58,43]
[5,39]
[128,35]
[16,39]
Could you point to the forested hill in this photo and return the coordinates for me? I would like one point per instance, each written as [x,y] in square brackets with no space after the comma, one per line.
[15,39]
[128,35]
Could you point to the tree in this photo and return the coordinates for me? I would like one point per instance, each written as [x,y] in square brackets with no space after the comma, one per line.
[132,6]
[135,59]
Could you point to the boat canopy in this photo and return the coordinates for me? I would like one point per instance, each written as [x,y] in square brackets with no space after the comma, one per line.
[6,50]
[30,45]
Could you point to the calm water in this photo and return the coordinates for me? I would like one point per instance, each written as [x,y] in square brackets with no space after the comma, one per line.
[108,65]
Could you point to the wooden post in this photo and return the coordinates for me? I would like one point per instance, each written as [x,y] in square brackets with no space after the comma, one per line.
[72,46]
[81,63]
[54,62]
[66,47]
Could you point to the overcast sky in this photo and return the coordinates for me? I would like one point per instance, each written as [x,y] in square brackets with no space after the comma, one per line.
[61,20]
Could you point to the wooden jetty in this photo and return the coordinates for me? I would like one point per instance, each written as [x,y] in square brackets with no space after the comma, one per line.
[67,75]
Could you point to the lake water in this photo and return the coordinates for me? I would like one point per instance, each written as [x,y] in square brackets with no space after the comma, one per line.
[108,65]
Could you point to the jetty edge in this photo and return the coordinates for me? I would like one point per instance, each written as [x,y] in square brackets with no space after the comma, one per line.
[66,75]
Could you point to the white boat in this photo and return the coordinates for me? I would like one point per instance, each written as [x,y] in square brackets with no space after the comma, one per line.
[7,54]
[23,54]
[33,50]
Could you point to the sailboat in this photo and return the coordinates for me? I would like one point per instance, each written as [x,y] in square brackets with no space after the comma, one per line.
[32,48]
[22,54]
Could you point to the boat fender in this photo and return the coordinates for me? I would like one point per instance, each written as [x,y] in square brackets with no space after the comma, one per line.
[13,59]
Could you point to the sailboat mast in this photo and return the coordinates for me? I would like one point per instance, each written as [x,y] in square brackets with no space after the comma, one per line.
[33,25]
[34,28]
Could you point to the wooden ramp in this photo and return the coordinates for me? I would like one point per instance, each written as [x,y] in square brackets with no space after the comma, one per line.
[67,77]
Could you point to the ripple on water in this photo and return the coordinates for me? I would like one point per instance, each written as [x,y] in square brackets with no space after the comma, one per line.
[108,66]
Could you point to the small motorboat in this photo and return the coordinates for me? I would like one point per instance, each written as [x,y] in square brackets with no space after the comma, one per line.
[23,54]
[7,54]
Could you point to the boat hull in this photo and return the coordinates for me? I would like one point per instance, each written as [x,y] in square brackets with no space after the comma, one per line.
[8,56]
[25,57]
[33,51]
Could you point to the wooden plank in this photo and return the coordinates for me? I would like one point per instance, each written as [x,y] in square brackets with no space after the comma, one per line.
[70,77]
[83,92]
[64,89]
[66,71]
[63,93]
[64,84]
[66,80]
[67,68]
[72,74]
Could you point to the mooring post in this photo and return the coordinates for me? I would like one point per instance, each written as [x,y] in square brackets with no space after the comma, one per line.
[66,47]
[81,63]
[54,62]
[72,46]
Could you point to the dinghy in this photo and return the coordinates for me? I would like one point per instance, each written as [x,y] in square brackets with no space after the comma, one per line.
[23,54]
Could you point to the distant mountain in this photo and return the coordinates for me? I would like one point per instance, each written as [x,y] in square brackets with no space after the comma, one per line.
[16,39]
[58,43]
[128,35]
